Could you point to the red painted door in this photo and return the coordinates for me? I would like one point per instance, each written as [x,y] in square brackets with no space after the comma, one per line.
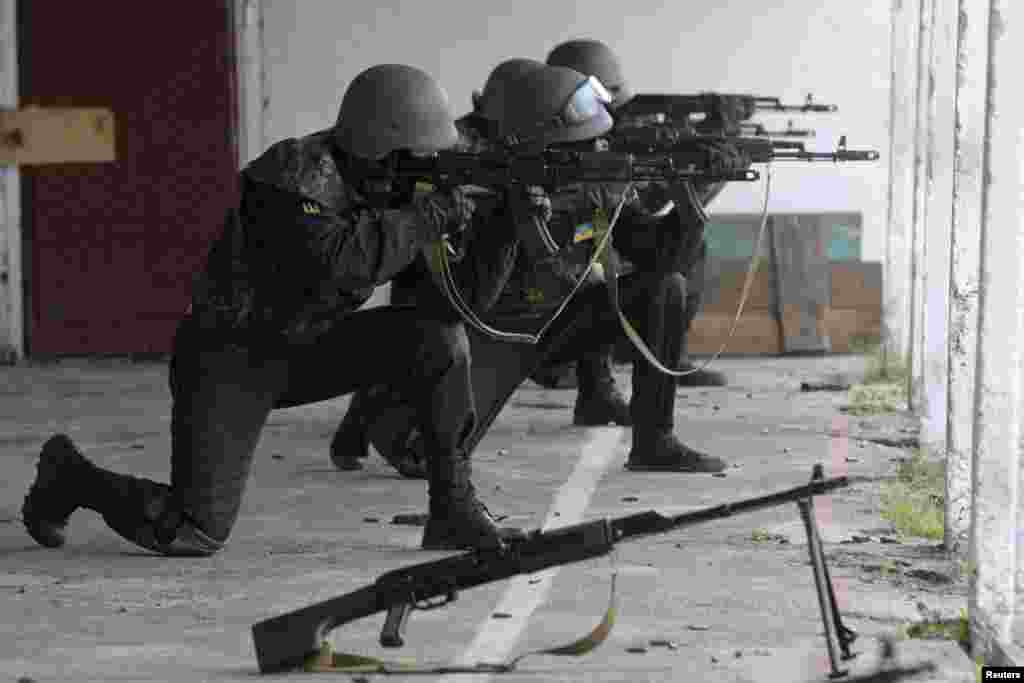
[111,248]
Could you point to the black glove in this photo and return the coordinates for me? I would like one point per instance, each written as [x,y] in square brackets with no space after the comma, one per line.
[444,213]
[530,211]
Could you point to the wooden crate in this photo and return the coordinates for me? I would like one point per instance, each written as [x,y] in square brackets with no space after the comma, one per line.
[757,333]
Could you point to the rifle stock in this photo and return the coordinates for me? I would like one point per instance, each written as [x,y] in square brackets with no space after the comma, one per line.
[285,641]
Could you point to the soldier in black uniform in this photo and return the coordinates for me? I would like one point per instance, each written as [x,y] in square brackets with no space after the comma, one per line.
[273,324]
[661,246]
[593,57]
[546,107]
[477,132]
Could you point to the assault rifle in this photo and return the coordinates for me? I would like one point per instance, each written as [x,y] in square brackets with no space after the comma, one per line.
[790,131]
[286,641]
[549,168]
[686,148]
[723,113]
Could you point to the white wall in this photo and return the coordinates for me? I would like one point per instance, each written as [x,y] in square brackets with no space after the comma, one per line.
[837,50]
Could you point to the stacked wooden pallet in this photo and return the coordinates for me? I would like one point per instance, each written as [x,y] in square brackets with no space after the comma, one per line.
[800,300]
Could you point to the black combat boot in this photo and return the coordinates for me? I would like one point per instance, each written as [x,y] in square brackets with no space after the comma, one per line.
[458,520]
[55,493]
[658,450]
[599,401]
[140,510]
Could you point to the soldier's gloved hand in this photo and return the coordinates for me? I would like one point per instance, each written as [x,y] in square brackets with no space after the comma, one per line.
[530,210]
[444,213]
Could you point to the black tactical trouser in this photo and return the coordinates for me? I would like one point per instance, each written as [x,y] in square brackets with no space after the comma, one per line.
[222,398]
[587,325]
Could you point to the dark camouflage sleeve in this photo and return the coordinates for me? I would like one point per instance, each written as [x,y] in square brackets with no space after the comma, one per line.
[354,248]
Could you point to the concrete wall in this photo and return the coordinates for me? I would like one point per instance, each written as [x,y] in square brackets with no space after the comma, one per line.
[839,51]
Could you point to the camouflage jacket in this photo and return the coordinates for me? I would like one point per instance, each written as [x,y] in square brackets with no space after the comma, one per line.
[649,227]
[303,249]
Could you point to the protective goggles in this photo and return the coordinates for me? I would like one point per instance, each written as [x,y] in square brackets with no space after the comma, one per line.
[588,101]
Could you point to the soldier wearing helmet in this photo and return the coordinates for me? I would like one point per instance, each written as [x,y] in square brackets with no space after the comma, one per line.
[652,394]
[273,324]
[595,58]
[478,132]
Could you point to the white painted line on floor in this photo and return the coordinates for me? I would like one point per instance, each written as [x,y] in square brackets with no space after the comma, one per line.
[495,638]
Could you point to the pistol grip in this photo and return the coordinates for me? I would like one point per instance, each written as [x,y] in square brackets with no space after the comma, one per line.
[394,625]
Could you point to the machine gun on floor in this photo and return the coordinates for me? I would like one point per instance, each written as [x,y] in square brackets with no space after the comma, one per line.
[287,641]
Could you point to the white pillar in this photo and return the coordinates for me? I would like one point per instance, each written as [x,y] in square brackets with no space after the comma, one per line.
[12,316]
[918,267]
[896,282]
[971,76]
[251,75]
[997,592]
[938,224]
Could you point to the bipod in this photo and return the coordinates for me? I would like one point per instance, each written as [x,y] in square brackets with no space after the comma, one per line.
[835,630]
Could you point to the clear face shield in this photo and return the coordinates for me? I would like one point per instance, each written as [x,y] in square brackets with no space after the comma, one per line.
[589,100]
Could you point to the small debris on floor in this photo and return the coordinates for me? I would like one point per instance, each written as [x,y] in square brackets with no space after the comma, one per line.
[929,575]
[698,627]
[502,451]
[720,475]
[663,642]
[414,519]
[637,649]
[501,615]
[277,456]
[371,520]
[630,499]
[824,386]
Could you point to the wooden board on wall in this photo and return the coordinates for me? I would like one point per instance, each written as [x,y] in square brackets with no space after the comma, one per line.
[35,136]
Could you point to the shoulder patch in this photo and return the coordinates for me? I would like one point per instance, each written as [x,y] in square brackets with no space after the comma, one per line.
[584,232]
[310,209]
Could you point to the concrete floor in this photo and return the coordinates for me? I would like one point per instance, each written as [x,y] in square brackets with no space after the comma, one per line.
[735,608]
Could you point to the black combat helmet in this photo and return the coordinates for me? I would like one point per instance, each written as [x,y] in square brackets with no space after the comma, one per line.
[390,107]
[594,58]
[490,103]
[555,105]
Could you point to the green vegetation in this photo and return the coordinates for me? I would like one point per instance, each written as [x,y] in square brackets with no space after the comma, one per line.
[915,501]
[883,367]
[958,630]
